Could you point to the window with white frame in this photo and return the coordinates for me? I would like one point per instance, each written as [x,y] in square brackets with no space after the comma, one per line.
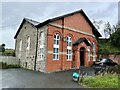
[28,42]
[20,48]
[94,52]
[56,47]
[41,45]
[69,48]
[88,49]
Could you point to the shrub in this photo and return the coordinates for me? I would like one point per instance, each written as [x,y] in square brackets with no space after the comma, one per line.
[106,81]
[13,66]
[3,65]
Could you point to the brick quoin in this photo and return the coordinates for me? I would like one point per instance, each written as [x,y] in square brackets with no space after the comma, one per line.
[78,22]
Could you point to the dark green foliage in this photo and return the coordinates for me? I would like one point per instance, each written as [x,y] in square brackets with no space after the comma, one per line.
[5,65]
[2,48]
[105,47]
[115,38]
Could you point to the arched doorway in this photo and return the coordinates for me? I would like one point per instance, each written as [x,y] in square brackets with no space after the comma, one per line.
[82,56]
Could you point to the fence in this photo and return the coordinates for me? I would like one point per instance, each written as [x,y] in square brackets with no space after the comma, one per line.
[9,59]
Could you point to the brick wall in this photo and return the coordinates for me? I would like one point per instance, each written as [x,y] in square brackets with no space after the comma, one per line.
[76,27]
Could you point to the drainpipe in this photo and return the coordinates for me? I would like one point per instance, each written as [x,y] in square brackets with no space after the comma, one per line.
[62,42]
[36,50]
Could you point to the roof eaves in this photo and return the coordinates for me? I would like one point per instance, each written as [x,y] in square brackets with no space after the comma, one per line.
[29,21]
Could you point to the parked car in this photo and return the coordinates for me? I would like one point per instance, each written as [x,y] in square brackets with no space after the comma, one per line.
[107,62]
[97,62]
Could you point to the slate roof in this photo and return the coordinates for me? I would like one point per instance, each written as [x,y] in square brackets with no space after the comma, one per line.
[80,40]
[33,22]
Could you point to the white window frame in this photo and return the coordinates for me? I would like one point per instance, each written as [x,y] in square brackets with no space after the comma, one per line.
[56,47]
[28,42]
[20,48]
[41,45]
[69,48]
[88,49]
[94,51]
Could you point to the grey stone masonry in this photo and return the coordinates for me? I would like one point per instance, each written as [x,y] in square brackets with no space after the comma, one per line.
[26,57]
[9,59]
[41,64]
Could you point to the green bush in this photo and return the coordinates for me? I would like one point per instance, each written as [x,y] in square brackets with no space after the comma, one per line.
[5,65]
[13,66]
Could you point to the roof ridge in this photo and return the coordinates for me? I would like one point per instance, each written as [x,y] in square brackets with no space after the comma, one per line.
[31,20]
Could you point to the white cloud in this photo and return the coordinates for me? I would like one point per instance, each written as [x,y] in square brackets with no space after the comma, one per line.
[13,13]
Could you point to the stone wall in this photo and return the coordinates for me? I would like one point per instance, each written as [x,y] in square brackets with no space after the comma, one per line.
[9,59]
[41,64]
[116,58]
[27,57]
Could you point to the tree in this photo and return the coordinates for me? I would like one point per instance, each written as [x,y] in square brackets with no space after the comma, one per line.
[97,23]
[108,29]
[2,48]
[115,38]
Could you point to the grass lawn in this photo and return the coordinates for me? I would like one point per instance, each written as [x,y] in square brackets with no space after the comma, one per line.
[106,81]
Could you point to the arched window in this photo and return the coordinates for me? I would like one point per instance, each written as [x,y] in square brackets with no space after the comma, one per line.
[94,51]
[56,47]
[69,48]
[41,45]
[41,39]
[28,42]
[20,48]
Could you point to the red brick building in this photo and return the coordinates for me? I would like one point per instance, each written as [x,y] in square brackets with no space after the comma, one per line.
[64,42]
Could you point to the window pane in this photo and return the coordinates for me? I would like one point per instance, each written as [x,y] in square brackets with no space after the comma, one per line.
[57,56]
[57,42]
[53,56]
[58,37]
[54,50]
[54,36]
[57,50]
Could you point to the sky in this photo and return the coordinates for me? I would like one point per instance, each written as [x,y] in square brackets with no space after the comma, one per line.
[12,14]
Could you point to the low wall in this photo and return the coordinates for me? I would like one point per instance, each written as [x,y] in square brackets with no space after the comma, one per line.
[9,59]
[115,58]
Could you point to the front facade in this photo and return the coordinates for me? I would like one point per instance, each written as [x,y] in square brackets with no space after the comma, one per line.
[61,43]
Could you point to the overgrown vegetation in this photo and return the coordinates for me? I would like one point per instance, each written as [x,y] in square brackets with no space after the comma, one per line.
[115,38]
[109,78]
[107,48]
[111,45]
[99,81]
[9,52]
[4,65]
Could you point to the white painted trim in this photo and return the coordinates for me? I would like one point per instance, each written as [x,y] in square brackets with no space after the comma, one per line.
[71,29]
[51,52]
